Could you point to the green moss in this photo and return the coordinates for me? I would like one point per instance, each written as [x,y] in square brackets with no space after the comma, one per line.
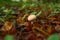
[8,37]
[53,37]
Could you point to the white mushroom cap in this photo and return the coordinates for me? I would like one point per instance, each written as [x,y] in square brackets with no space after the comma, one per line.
[31,17]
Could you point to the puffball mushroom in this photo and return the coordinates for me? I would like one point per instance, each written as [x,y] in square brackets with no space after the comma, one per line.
[31,17]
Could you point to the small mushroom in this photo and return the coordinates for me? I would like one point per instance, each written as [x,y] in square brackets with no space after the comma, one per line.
[31,17]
